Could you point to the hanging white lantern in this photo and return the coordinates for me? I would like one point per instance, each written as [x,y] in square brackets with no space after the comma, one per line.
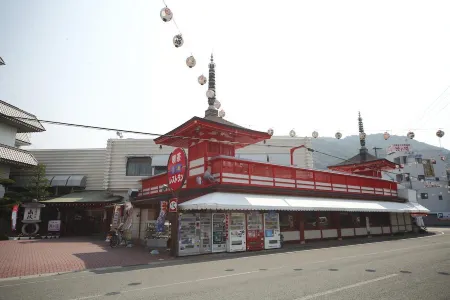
[338,135]
[270,131]
[221,113]
[202,79]
[440,133]
[362,136]
[411,135]
[315,134]
[386,135]
[178,41]
[190,61]
[217,104]
[210,93]
[292,133]
[166,14]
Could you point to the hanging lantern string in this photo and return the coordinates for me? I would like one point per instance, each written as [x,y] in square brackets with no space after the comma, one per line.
[178,28]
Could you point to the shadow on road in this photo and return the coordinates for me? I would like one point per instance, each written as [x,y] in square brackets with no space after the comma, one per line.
[286,248]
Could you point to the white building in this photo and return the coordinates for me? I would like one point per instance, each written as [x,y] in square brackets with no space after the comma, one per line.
[124,162]
[426,172]
[15,126]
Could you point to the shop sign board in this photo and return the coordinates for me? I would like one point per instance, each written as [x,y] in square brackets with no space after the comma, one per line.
[399,148]
[54,225]
[32,214]
[173,205]
[443,216]
[176,169]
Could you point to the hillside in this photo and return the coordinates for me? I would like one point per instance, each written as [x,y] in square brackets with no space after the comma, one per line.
[349,146]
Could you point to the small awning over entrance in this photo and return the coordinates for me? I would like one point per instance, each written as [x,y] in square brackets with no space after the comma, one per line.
[54,181]
[232,201]
[100,197]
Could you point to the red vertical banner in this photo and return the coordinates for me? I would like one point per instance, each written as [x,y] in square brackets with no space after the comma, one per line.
[14,213]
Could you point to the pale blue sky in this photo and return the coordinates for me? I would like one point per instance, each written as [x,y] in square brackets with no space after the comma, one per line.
[308,65]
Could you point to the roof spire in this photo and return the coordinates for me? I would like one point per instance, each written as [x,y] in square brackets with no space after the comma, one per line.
[212,111]
[362,139]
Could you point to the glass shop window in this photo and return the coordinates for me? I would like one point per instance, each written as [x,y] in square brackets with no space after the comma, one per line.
[349,219]
[310,220]
[423,195]
[288,221]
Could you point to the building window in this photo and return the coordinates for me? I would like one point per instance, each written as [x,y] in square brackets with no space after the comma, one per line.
[423,195]
[440,197]
[288,221]
[310,220]
[421,177]
[437,179]
[139,166]
[419,160]
[406,177]
[399,177]
[160,170]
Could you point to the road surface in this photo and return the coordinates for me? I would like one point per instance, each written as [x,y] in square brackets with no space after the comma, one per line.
[409,269]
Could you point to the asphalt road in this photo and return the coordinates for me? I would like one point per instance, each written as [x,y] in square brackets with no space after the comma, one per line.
[416,268]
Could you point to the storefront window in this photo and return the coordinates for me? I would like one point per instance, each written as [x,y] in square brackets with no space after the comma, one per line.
[326,220]
[288,221]
[379,219]
[350,219]
[310,219]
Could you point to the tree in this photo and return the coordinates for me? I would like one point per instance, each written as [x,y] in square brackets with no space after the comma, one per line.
[38,186]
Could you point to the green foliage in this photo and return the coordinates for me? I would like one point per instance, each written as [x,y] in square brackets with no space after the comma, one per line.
[38,185]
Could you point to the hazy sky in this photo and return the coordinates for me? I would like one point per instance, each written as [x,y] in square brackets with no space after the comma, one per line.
[307,65]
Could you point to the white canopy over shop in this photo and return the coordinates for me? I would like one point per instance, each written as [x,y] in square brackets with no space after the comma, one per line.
[234,201]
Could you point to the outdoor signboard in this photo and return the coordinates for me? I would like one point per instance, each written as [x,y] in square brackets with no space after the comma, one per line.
[54,225]
[443,216]
[399,148]
[176,169]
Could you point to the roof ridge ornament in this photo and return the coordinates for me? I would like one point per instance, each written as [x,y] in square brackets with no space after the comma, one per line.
[211,92]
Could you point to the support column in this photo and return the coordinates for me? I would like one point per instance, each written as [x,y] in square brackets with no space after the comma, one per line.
[301,221]
[174,233]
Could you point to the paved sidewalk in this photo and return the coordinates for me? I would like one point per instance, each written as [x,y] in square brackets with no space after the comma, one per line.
[32,257]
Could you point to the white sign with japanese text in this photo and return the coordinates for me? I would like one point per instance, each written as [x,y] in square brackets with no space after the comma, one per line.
[443,216]
[32,214]
[399,148]
[54,225]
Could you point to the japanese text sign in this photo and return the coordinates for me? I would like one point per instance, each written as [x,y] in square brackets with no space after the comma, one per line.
[54,225]
[176,169]
[399,148]
[32,214]
[173,205]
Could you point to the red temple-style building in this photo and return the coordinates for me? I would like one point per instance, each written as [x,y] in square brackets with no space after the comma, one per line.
[229,204]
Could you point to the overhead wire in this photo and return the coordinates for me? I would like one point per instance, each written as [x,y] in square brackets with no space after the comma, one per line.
[184,137]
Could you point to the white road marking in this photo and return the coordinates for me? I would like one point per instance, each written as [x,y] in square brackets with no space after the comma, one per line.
[346,287]
[284,253]
[169,284]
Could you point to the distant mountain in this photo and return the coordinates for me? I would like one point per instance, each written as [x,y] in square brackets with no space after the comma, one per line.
[349,146]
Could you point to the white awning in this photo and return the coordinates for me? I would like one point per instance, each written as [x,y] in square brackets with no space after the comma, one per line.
[232,201]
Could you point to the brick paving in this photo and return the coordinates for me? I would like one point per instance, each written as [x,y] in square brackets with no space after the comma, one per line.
[32,257]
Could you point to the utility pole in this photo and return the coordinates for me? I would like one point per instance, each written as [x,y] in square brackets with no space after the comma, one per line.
[376,148]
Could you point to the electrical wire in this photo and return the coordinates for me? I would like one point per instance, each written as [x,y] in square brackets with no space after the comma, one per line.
[184,137]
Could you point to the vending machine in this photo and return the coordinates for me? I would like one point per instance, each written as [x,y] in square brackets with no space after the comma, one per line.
[272,232]
[219,232]
[189,234]
[236,232]
[205,232]
[255,232]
